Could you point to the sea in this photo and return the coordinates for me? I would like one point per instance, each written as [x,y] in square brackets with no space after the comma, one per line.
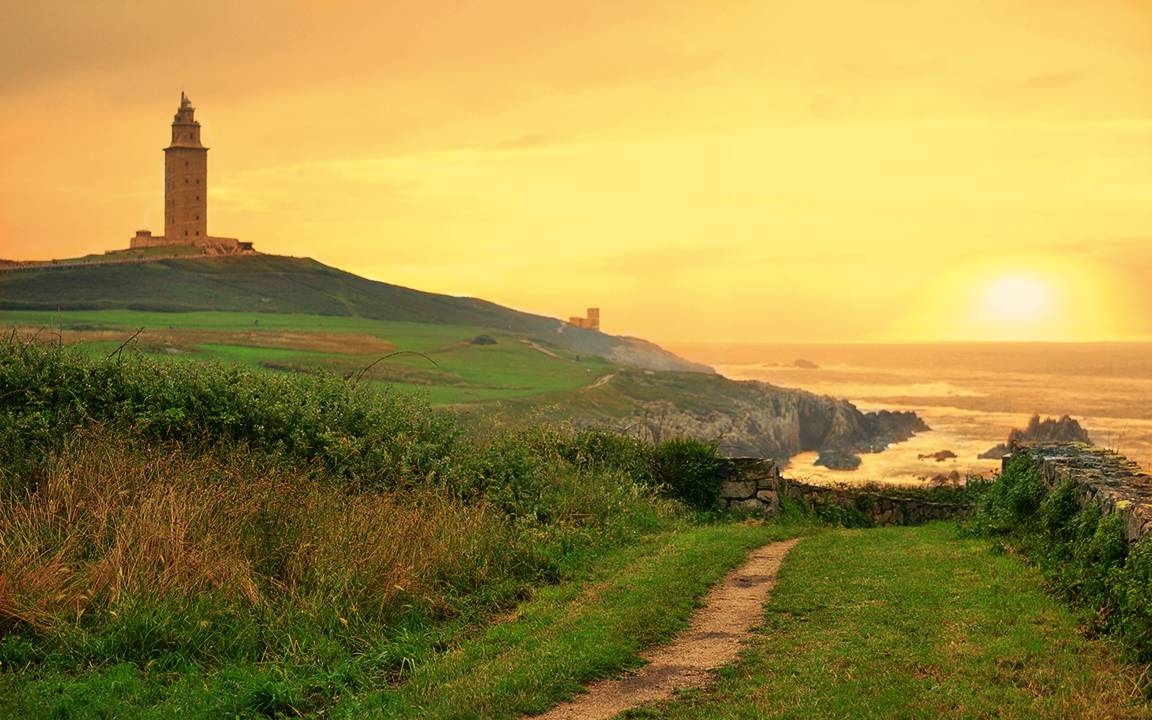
[970,394]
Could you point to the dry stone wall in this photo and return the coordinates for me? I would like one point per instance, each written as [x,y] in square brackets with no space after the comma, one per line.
[1110,481]
[755,485]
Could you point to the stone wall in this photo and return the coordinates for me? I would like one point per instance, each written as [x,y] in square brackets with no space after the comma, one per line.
[1110,481]
[755,485]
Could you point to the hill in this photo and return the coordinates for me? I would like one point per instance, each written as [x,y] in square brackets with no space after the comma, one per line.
[285,285]
[744,418]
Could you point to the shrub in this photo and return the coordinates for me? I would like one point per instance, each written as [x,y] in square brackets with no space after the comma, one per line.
[689,470]
[357,434]
[592,448]
[1081,550]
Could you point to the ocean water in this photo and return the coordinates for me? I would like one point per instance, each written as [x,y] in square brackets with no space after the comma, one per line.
[971,395]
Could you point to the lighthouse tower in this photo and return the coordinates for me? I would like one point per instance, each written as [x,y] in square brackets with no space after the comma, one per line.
[186,180]
[186,193]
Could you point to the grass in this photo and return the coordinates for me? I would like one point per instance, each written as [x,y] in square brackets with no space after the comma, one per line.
[449,369]
[1080,548]
[204,539]
[571,634]
[914,623]
[269,284]
[145,584]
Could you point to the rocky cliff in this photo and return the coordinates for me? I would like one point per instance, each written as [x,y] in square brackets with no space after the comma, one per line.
[746,418]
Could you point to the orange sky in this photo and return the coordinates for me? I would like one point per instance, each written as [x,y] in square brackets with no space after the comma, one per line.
[707,170]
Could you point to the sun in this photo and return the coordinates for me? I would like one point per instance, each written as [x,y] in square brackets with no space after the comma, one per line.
[1017,299]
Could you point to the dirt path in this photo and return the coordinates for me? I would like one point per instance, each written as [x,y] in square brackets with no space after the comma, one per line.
[601,381]
[713,639]
[540,348]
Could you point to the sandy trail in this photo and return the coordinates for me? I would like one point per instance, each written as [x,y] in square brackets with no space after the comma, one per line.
[712,640]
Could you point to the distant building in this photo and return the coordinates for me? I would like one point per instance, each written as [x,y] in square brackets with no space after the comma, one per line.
[592,322]
[186,192]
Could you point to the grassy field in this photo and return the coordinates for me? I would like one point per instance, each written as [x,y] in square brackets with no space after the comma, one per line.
[205,540]
[450,368]
[570,634]
[915,623]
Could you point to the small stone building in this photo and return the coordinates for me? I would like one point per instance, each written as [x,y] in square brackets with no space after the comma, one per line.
[591,322]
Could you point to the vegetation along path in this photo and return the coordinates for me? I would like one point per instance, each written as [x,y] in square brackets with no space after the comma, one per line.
[714,639]
[914,623]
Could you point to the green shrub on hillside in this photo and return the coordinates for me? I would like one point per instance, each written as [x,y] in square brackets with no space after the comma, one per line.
[1081,550]
[354,433]
[690,470]
[593,448]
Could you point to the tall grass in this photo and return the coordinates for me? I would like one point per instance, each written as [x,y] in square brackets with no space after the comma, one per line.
[203,519]
[112,526]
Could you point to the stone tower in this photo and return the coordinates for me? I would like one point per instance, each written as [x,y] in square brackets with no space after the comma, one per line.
[186,180]
[186,195]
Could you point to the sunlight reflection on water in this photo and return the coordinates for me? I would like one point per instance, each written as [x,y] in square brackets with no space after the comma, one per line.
[970,397]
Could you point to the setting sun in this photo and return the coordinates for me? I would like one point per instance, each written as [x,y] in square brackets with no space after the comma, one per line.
[1017,299]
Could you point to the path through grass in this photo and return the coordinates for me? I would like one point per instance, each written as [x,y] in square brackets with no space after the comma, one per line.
[914,623]
[573,633]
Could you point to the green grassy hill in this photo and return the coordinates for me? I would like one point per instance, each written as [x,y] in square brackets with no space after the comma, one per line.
[283,285]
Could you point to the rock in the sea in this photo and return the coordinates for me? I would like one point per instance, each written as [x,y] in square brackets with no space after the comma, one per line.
[805,364]
[838,460]
[996,452]
[952,478]
[938,456]
[1048,430]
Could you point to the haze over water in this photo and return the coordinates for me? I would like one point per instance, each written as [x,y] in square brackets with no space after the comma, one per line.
[971,394]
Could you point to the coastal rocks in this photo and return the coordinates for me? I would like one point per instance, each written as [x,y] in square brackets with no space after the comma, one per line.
[1049,430]
[938,456]
[837,460]
[745,418]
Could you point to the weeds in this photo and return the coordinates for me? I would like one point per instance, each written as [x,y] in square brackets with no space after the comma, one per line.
[1081,551]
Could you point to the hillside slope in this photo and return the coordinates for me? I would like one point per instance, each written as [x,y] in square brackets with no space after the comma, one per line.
[277,284]
[745,418]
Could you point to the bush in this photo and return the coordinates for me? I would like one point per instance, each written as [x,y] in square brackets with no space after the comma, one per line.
[1081,551]
[589,449]
[354,433]
[689,470]
[175,516]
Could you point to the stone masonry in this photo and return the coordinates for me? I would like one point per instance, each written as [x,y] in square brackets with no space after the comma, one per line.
[1105,479]
[755,485]
[186,192]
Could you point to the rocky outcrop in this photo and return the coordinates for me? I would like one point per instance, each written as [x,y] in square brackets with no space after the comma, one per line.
[745,418]
[756,486]
[1103,478]
[938,456]
[838,460]
[1048,430]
